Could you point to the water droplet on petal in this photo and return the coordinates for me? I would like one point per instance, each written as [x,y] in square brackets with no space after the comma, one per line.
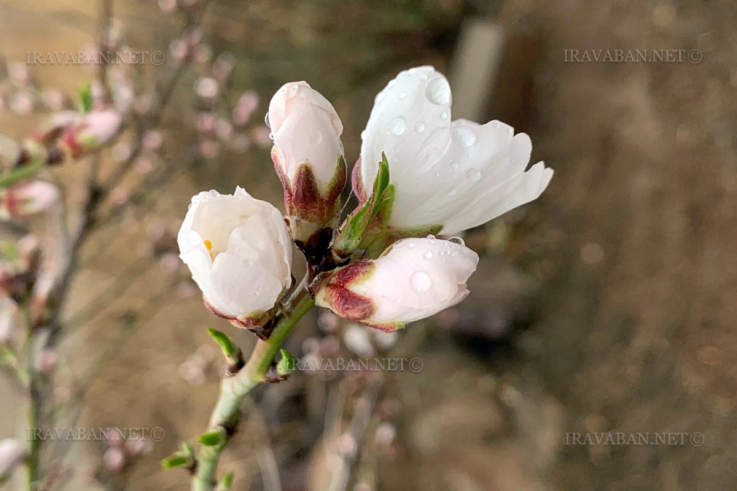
[379,98]
[420,281]
[438,91]
[316,138]
[423,76]
[364,134]
[267,121]
[402,95]
[454,166]
[411,245]
[474,174]
[457,240]
[431,237]
[427,255]
[397,126]
[453,192]
[412,71]
[444,115]
[465,136]
[392,83]
[271,136]
[213,194]
[420,127]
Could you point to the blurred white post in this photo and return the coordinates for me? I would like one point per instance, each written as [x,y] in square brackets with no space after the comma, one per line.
[474,68]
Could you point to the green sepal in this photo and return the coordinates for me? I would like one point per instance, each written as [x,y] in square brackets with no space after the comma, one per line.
[287,364]
[380,201]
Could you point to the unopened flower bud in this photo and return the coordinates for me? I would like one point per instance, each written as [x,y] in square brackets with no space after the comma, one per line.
[55,125]
[239,252]
[412,280]
[12,453]
[308,156]
[92,132]
[28,198]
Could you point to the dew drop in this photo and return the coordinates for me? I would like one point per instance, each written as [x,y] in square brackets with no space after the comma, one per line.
[457,240]
[420,281]
[423,76]
[397,125]
[316,137]
[271,136]
[420,127]
[392,83]
[427,255]
[364,134]
[474,174]
[379,98]
[454,166]
[465,136]
[256,293]
[411,245]
[267,121]
[453,192]
[431,237]
[402,95]
[213,194]
[438,91]
[444,115]
[412,71]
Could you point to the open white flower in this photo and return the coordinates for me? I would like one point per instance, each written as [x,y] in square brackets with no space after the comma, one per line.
[414,279]
[448,175]
[308,156]
[239,252]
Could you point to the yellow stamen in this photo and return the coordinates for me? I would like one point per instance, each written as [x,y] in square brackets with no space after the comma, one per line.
[208,244]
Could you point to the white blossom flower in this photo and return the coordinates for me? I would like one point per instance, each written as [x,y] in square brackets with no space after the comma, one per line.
[412,280]
[449,176]
[239,252]
[308,157]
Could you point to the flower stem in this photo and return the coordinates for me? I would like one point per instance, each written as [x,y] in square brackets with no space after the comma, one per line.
[233,389]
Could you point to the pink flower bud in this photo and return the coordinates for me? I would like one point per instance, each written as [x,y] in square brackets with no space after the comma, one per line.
[207,88]
[308,157]
[54,125]
[29,198]
[92,132]
[114,459]
[8,319]
[412,280]
[12,453]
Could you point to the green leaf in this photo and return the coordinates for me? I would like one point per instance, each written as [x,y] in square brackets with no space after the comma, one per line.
[230,349]
[226,482]
[85,98]
[382,176]
[212,438]
[287,364]
[176,460]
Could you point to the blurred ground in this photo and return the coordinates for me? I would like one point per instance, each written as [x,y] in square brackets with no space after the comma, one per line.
[623,275]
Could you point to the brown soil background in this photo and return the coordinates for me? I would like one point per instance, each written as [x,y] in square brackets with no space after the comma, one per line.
[622,276]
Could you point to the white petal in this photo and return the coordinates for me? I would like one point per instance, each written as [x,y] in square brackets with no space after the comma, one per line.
[458,175]
[306,128]
[418,278]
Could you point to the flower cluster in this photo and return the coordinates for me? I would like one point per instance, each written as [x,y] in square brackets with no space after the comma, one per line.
[419,174]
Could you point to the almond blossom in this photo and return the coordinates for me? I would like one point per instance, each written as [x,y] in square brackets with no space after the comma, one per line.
[239,252]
